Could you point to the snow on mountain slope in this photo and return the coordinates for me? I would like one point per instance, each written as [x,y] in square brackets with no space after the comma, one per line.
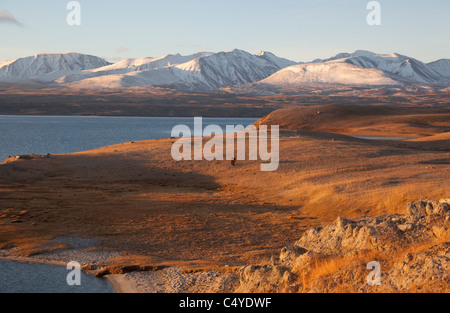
[330,72]
[123,66]
[344,55]
[233,68]
[441,66]
[359,68]
[402,67]
[206,72]
[280,62]
[108,81]
[129,66]
[165,76]
[46,66]
[172,77]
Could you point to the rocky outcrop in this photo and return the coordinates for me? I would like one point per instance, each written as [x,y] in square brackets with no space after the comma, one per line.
[26,157]
[421,236]
[383,233]
[123,269]
[430,266]
[421,209]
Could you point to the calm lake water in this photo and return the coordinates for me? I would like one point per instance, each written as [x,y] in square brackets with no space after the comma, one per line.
[18,277]
[384,138]
[60,135]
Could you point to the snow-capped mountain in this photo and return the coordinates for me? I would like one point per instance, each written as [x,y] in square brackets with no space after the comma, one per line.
[330,72]
[441,66]
[204,71]
[361,68]
[47,66]
[129,66]
[232,68]
[280,62]
[400,67]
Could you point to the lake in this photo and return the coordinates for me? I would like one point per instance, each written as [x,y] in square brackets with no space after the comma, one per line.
[384,138]
[16,277]
[68,134]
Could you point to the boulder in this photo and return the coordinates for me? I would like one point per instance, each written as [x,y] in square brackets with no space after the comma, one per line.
[289,254]
[422,208]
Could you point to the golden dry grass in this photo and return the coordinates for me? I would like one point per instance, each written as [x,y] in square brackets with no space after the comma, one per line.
[339,274]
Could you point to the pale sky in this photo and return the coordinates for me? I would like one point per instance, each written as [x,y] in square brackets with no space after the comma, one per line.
[295,29]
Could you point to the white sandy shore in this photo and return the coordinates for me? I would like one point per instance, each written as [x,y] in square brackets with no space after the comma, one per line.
[122,284]
[83,251]
[119,283]
[172,280]
[168,280]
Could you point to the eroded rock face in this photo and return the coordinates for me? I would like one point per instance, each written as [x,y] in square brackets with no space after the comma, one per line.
[424,222]
[428,265]
[289,255]
[382,233]
[420,209]
[267,278]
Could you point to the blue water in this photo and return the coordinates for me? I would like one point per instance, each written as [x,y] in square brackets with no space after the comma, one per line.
[383,138]
[18,277]
[60,135]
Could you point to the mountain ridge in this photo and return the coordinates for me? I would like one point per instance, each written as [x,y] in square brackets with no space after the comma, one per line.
[208,71]
[43,64]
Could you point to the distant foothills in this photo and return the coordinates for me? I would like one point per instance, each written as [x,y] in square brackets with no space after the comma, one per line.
[206,72]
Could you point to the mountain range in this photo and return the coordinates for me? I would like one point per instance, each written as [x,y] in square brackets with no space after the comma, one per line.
[206,71]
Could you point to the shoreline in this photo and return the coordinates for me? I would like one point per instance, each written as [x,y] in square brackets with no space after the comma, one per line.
[168,280]
[121,284]
[118,282]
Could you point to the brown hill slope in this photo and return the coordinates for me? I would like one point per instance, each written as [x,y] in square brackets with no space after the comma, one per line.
[363,120]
